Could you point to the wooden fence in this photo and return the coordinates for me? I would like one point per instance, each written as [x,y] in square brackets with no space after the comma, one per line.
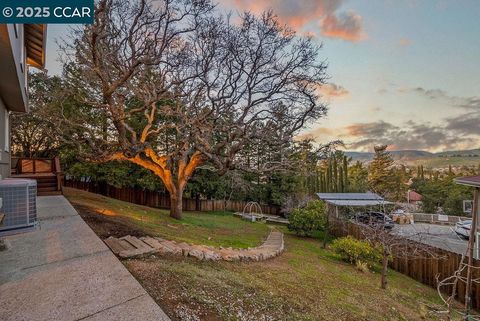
[427,269]
[162,200]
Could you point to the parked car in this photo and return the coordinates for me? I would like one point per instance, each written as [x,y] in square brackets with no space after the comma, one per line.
[462,229]
[377,219]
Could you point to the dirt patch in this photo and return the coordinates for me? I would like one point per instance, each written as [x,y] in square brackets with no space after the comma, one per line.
[106,225]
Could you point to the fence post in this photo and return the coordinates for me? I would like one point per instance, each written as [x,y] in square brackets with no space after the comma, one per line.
[197,202]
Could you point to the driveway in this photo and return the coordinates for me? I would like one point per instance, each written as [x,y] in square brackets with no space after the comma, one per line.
[441,236]
[63,271]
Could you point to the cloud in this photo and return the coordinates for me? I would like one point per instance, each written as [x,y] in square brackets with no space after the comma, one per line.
[301,14]
[332,91]
[404,42]
[465,124]
[375,129]
[453,133]
[470,103]
[431,93]
[315,133]
[450,133]
[346,26]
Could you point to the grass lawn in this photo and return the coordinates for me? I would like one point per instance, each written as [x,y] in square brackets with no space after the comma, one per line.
[214,228]
[306,282]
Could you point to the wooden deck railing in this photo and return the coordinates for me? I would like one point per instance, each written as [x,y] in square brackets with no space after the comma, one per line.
[41,169]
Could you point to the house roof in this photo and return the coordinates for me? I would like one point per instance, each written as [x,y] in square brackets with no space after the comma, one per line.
[35,43]
[414,196]
[468,180]
[352,199]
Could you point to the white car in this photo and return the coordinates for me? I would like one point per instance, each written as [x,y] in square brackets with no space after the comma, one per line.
[462,229]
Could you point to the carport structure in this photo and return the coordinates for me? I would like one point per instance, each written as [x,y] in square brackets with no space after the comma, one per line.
[473,181]
[337,201]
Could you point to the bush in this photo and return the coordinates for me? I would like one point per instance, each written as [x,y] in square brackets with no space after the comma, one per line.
[355,251]
[311,218]
[362,266]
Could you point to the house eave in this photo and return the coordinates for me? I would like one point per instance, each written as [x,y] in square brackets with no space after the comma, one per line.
[35,44]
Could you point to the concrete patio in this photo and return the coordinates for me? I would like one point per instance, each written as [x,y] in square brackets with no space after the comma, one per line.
[63,271]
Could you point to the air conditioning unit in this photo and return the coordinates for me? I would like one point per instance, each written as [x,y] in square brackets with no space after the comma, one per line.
[19,204]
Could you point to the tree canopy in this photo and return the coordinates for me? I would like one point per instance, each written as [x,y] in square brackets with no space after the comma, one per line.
[173,85]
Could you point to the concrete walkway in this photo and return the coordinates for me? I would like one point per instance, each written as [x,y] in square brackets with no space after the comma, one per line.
[63,271]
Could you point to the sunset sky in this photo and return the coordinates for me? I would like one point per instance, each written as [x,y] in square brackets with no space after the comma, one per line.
[403,72]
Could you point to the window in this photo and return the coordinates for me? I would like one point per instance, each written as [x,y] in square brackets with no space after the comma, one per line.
[7,131]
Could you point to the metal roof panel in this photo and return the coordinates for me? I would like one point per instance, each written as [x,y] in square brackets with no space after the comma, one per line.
[469,180]
[355,203]
[349,196]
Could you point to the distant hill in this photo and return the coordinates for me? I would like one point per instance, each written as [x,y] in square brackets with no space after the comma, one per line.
[417,157]
[461,153]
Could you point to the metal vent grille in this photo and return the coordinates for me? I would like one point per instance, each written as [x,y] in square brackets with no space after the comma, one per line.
[19,198]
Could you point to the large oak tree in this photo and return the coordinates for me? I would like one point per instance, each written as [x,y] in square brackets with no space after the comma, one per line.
[172,85]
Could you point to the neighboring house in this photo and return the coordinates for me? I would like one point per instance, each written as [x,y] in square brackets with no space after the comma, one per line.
[414,198]
[21,45]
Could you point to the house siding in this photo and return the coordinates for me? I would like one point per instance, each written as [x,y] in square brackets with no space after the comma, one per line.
[4,141]
[17,42]
[13,90]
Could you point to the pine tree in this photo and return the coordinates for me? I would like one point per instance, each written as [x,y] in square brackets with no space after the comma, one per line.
[358,178]
[340,181]
[345,173]
[320,189]
[335,174]
[329,176]
[381,177]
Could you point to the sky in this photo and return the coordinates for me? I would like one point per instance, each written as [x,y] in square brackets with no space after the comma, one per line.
[401,72]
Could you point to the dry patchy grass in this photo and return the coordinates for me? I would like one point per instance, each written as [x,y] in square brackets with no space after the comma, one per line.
[305,283]
[214,228]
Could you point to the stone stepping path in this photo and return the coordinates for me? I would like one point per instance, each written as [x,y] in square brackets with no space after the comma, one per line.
[131,246]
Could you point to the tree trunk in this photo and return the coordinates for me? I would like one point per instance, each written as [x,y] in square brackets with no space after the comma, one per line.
[176,204]
[384,269]
[325,238]
[158,165]
[325,234]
